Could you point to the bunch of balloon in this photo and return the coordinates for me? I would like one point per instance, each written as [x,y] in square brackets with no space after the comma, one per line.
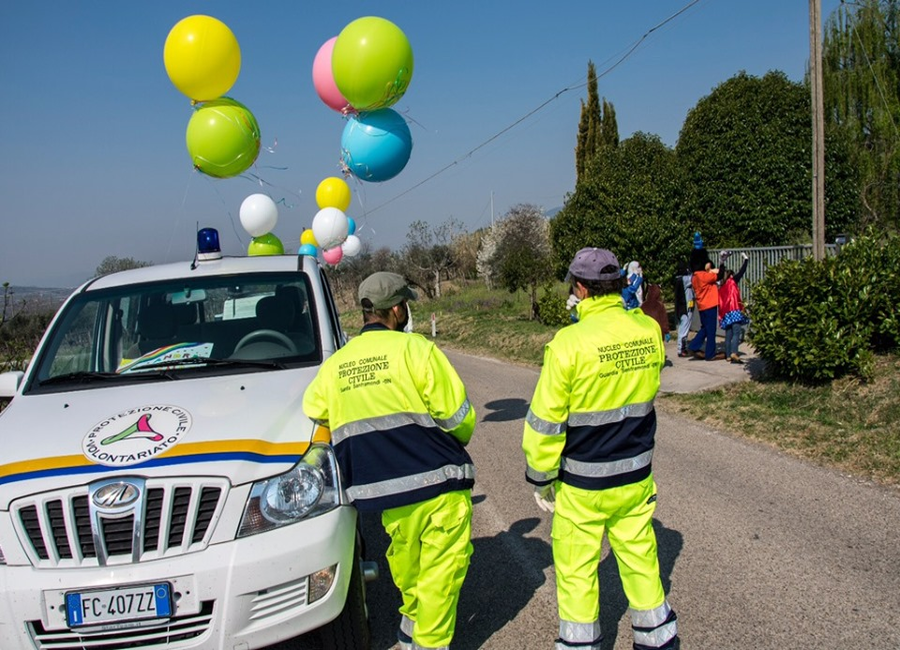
[259,214]
[203,59]
[331,227]
[361,73]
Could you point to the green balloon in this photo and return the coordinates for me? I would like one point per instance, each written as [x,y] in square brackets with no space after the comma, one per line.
[372,63]
[222,138]
[267,244]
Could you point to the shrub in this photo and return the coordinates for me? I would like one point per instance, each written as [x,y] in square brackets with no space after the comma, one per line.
[814,321]
[552,310]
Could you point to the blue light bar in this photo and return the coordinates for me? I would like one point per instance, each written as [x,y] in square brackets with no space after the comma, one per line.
[208,245]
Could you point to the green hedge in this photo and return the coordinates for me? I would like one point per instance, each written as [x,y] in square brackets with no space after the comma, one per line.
[814,321]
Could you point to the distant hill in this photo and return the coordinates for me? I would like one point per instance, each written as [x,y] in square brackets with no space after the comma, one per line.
[552,212]
[38,299]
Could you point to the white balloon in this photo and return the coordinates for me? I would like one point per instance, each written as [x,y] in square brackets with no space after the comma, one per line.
[330,227]
[351,246]
[259,214]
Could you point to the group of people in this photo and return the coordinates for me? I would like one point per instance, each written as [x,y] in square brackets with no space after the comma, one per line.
[588,439]
[715,293]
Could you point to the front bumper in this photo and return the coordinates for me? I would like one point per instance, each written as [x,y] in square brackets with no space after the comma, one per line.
[237,595]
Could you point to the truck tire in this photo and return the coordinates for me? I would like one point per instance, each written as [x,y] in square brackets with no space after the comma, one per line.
[350,630]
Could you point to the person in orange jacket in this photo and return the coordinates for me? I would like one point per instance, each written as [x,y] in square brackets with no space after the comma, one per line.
[704,281]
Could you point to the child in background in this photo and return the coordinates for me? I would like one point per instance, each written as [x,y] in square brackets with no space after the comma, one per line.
[633,293]
[732,318]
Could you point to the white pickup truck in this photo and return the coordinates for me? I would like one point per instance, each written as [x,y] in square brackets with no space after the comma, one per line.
[160,486]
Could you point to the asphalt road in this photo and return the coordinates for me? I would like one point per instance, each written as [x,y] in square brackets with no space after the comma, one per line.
[757,549]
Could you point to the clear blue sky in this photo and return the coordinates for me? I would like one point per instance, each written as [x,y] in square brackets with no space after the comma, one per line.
[94,160]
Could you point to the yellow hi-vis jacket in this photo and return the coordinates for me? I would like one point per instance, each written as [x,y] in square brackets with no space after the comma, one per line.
[399,418]
[591,423]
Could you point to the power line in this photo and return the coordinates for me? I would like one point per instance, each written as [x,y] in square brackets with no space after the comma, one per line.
[469,154]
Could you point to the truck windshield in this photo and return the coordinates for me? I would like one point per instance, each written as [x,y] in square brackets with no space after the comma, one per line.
[230,324]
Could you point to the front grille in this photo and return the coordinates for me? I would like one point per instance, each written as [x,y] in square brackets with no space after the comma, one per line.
[172,518]
[176,631]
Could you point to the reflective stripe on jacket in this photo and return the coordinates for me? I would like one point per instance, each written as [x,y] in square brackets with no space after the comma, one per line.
[399,418]
[592,423]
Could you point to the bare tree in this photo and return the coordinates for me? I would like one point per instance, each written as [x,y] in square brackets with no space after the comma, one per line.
[427,258]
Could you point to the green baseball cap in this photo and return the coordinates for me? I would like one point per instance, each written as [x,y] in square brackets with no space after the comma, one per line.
[385,290]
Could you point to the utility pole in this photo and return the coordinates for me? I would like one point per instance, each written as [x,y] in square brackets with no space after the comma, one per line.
[818,129]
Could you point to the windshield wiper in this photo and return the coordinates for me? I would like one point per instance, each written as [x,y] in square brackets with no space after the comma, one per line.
[202,361]
[85,377]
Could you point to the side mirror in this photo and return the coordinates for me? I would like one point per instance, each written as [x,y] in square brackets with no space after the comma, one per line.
[9,383]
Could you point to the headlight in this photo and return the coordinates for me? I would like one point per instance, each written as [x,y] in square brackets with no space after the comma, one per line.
[311,488]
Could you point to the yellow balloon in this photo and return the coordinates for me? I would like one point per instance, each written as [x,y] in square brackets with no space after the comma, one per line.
[307,237]
[333,192]
[202,57]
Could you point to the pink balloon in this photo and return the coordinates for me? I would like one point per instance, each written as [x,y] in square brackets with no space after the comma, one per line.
[333,255]
[323,79]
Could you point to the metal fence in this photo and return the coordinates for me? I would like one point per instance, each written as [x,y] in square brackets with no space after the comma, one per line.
[759,260]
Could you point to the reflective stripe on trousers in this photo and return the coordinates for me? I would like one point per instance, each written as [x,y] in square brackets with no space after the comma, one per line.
[579,636]
[654,629]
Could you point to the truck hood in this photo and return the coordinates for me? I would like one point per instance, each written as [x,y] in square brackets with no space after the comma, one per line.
[244,427]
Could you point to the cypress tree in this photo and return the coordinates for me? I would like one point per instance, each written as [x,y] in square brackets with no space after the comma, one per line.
[589,126]
[608,126]
[581,143]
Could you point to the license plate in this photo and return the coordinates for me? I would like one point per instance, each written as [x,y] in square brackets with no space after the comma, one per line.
[122,605]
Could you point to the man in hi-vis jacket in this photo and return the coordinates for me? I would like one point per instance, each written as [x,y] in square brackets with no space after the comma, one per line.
[400,419]
[588,443]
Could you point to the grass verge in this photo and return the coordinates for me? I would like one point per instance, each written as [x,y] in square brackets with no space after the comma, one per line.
[849,425]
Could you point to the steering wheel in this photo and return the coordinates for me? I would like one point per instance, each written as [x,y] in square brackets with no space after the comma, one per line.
[275,335]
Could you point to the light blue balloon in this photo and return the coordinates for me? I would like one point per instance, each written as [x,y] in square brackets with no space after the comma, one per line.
[376,146]
[308,249]
[351,226]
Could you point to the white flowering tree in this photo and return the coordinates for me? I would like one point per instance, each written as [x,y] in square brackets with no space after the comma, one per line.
[516,253]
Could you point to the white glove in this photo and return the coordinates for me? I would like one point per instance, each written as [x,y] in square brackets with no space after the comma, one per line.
[744,255]
[572,301]
[545,497]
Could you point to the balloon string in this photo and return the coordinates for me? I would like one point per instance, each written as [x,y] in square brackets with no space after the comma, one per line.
[178,216]
[273,147]
[409,119]
[263,183]
[228,212]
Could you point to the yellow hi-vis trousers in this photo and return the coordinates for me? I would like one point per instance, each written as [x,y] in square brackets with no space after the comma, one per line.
[429,556]
[582,516]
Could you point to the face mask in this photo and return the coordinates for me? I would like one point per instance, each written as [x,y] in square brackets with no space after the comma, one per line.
[405,320]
